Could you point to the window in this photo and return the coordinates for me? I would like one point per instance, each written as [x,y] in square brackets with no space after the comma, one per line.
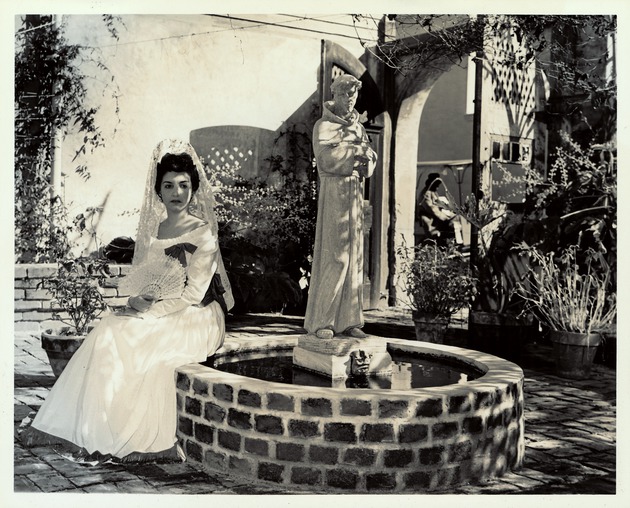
[510,158]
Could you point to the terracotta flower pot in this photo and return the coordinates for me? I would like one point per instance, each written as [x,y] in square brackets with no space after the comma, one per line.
[430,328]
[574,353]
[60,348]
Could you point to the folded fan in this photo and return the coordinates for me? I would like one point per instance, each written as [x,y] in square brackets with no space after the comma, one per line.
[158,279]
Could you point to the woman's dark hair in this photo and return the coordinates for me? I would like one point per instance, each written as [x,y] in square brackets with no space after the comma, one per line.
[179,163]
[433,181]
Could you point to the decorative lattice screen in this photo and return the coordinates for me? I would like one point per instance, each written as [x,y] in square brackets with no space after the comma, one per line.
[513,83]
[336,71]
[234,156]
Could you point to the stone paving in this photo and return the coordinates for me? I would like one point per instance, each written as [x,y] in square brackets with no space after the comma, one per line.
[570,429]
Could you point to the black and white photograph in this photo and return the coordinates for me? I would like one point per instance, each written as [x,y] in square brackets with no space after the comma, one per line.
[262,252]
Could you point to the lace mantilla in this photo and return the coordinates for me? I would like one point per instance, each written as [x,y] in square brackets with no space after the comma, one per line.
[153,211]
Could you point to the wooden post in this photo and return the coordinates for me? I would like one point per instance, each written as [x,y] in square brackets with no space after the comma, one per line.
[476,153]
[55,142]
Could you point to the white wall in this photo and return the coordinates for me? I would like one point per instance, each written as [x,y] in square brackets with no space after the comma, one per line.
[176,74]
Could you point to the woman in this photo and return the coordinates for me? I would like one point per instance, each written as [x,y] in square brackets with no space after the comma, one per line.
[116,397]
[436,214]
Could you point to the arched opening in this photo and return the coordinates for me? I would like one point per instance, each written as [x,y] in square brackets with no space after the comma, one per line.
[414,92]
[445,140]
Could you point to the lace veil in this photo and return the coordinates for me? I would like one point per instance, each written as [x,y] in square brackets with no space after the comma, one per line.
[153,211]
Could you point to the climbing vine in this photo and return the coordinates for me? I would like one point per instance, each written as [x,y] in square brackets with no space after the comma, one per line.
[51,97]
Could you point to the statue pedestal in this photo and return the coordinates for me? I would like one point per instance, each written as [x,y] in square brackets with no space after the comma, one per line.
[334,357]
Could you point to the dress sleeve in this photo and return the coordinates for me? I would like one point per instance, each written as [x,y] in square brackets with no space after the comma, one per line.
[434,206]
[200,270]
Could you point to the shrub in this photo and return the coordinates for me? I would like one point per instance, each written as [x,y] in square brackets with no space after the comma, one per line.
[267,227]
[75,290]
[436,280]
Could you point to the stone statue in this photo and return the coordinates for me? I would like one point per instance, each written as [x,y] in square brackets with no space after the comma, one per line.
[344,158]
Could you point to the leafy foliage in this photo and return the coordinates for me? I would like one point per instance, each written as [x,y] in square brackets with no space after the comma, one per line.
[497,266]
[577,203]
[267,226]
[41,225]
[263,214]
[573,222]
[437,280]
[50,97]
[75,290]
[570,50]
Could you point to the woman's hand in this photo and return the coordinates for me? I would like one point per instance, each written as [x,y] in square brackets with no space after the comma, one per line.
[129,312]
[140,303]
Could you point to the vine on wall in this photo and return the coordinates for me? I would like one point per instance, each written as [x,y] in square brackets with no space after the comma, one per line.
[51,90]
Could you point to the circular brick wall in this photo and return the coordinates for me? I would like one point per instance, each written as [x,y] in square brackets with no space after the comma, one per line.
[353,440]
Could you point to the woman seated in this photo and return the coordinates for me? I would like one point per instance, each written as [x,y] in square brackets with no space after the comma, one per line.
[436,214]
[117,395]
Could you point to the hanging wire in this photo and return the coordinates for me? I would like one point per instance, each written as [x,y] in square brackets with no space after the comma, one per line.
[255,24]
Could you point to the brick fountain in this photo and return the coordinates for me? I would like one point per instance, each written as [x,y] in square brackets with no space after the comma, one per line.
[356,440]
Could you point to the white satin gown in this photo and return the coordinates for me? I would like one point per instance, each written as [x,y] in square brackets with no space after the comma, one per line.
[117,394]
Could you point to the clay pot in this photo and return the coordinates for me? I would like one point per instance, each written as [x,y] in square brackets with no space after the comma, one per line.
[60,348]
[430,328]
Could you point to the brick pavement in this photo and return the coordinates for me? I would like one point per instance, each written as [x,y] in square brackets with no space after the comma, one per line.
[570,430]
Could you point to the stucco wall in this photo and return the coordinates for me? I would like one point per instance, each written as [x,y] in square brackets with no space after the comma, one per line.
[445,128]
[176,74]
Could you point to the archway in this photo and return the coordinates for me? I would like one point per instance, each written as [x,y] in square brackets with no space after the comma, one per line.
[413,90]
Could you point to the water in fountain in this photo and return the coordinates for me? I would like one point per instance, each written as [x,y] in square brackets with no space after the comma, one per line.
[408,371]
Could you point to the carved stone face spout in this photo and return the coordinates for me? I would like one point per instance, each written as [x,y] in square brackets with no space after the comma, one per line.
[359,362]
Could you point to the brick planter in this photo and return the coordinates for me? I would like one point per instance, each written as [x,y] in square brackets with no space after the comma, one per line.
[33,308]
[353,440]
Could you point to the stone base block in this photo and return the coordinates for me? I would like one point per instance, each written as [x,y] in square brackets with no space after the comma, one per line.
[333,358]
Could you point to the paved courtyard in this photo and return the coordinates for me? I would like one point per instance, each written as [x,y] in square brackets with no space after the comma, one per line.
[570,430]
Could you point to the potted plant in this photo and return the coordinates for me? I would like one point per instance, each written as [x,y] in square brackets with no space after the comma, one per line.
[437,282]
[496,322]
[78,302]
[574,302]
[577,205]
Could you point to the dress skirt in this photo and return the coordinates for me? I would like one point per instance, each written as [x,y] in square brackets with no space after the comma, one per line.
[117,394]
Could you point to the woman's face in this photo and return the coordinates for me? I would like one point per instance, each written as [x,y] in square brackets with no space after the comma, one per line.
[176,190]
